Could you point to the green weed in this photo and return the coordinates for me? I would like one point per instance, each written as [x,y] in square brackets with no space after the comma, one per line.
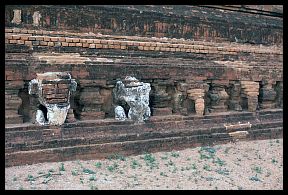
[88,171]
[98,164]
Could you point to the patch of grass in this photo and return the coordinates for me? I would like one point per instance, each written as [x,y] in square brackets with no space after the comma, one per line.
[88,171]
[40,172]
[175,154]
[14,178]
[219,162]
[207,152]
[150,160]
[113,167]
[98,165]
[62,168]
[21,188]
[135,164]
[170,163]
[193,166]
[81,180]
[255,178]
[74,172]
[92,178]
[51,170]
[207,167]
[257,169]
[163,174]
[277,141]
[30,178]
[92,187]
[188,159]
[222,171]
[274,161]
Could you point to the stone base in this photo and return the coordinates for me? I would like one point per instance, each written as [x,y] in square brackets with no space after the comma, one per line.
[162,111]
[92,115]
[13,119]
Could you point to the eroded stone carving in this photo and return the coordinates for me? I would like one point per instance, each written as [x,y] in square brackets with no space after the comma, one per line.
[17,16]
[53,90]
[136,95]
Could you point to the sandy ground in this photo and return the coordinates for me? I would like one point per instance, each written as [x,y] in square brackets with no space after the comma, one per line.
[244,165]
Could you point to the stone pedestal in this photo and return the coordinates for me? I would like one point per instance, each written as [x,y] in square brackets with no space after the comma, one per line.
[161,100]
[250,91]
[218,96]
[234,94]
[267,95]
[13,102]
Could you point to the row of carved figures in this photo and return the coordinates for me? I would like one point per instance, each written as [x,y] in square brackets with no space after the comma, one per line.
[52,91]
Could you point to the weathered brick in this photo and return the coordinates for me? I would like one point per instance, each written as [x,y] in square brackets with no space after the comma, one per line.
[75,40]
[69,40]
[54,39]
[78,44]
[71,44]
[62,39]
[44,43]
[96,41]
[46,38]
[50,44]
[28,42]
[123,47]
[16,37]
[16,30]
[85,45]
[20,42]
[35,42]
[39,38]
[64,44]
[8,30]
[12,41]
[89,40]
[92,46]
[98,46]
[31,38]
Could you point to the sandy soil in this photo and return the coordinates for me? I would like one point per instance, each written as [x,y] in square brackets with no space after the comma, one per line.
[254,165]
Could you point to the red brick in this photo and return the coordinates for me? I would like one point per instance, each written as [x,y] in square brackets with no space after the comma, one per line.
[85,45]
[54,39]
[75,40]
[89,40]
[79,44]
[39,38]
[25,38]
[47,39]
[69,40]
[96,41]
[98,46]
[71,44]
[8,30]
[62,39]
